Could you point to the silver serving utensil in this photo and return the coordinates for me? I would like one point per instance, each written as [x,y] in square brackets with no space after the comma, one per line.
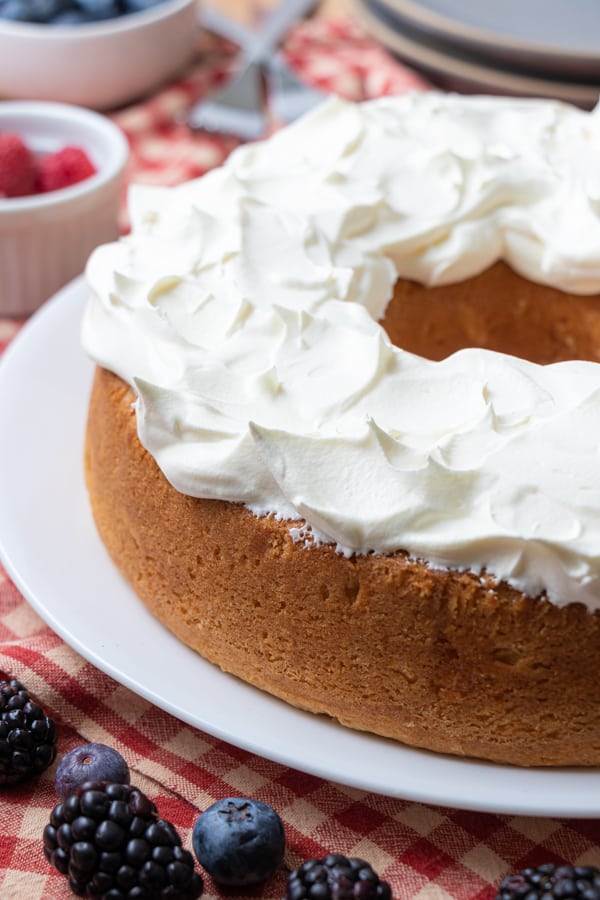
[239,107]
[289,96]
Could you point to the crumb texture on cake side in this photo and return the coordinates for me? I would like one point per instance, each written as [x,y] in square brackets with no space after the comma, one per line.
[448,661]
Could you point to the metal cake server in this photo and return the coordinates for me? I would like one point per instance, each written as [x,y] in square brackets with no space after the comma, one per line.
[239,107]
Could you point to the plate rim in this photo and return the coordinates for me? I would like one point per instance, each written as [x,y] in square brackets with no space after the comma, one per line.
[460,778]
[443,26]
[501,81]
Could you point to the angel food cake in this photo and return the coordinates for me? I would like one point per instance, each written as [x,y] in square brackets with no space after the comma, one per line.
[344,434]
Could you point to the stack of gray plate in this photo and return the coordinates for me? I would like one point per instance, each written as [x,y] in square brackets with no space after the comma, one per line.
[540,48]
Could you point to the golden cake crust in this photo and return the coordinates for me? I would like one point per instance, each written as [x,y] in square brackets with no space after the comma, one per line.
[496,310]
[449,661]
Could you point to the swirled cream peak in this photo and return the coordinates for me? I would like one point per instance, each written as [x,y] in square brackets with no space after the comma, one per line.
[243,309]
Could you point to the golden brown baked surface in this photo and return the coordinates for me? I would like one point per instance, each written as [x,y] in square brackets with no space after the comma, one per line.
[497,310]
[438,659]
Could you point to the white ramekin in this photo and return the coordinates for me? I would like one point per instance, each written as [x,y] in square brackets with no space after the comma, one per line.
[45,239]
[100,65]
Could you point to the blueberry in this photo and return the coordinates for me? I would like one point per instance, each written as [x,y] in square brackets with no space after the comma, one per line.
[15,11]
[239,841]
[98,10]
[71,16]
[90,762]
[139,5]
[40,11]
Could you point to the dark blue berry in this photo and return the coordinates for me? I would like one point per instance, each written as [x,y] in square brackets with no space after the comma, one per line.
[16,11]
[98,10]
[239,841]
[71,16]
[39,11]
[139,5]
[90,762]
[70,12]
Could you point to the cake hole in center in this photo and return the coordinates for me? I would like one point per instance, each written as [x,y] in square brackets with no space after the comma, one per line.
[497,310]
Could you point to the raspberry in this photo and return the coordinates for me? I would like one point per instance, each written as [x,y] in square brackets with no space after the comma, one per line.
[65,167]
[17,167]
[27,735]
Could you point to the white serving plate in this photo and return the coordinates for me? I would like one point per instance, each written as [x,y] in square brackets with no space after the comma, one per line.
[559,39]
[457,70]
[50,548]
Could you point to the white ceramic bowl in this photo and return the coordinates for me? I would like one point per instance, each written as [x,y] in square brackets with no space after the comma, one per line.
[100,65]
[45,239]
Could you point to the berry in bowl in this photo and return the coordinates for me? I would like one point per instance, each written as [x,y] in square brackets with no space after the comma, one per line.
[24,172]
[95,53]
[61,175]
[70,12]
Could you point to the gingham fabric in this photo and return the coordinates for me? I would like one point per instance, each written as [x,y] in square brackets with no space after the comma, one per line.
[423,851]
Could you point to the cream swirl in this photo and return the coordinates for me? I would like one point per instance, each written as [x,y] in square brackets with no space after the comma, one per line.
[244,307]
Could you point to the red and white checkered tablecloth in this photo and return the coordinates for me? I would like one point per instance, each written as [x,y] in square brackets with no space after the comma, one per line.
[423,851]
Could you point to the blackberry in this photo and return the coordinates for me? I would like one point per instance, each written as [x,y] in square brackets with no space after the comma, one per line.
[336,877]
[109,842]
[551,882]
[27,735]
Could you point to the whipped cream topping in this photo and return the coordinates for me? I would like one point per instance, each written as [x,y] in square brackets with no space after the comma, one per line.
[243,309]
